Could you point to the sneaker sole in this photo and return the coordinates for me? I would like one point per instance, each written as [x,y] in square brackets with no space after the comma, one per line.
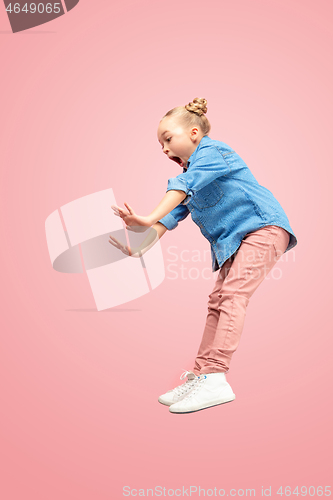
[169,404]
[165,404]
[204,408]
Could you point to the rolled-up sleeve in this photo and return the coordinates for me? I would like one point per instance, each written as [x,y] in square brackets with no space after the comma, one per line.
[207,166]
[178,183]
[170,220]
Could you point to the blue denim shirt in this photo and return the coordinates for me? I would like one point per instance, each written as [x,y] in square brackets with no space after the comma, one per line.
[225,200]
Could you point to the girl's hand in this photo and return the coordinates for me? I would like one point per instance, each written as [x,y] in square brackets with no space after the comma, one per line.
[125,249]
[139,223]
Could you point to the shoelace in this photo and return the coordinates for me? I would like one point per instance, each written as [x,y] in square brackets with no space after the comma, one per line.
[181,389]
[183,375]
[199,381]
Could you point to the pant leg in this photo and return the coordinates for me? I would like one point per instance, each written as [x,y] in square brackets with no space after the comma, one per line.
[256,256]
[212,319]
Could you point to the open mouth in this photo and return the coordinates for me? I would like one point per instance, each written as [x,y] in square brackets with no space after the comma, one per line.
[177,160]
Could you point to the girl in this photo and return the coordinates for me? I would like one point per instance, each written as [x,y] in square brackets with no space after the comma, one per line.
[248,232]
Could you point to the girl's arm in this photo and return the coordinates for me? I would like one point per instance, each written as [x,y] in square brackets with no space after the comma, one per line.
[152,238]
[160,229]
[170,201]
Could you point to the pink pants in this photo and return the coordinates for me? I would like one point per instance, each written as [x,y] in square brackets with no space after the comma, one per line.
[237,280]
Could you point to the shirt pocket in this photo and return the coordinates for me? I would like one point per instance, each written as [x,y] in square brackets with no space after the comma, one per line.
[208,196]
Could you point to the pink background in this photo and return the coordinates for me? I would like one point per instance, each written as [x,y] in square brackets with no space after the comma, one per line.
[81,98]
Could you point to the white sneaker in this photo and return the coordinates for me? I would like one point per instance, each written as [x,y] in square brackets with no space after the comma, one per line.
[210,390]
[177,394]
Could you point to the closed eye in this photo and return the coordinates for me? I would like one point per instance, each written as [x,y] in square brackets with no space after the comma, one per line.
[168,140]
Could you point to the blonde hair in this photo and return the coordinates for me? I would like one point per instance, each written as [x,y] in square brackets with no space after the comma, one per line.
[192,114]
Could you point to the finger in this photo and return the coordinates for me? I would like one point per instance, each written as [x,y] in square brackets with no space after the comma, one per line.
[115,242]
[130,209]
[120,247]
[118,211]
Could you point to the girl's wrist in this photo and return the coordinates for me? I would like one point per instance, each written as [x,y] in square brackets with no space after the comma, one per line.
[150,220]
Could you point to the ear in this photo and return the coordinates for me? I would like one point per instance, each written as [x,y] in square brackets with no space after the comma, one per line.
[194,133]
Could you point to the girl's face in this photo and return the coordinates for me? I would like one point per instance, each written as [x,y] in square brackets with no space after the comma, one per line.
[178,143]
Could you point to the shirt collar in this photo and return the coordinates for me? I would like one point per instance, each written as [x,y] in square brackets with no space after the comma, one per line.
[192,158]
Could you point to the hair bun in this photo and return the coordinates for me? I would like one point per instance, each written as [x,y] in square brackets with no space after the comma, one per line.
[198,105]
